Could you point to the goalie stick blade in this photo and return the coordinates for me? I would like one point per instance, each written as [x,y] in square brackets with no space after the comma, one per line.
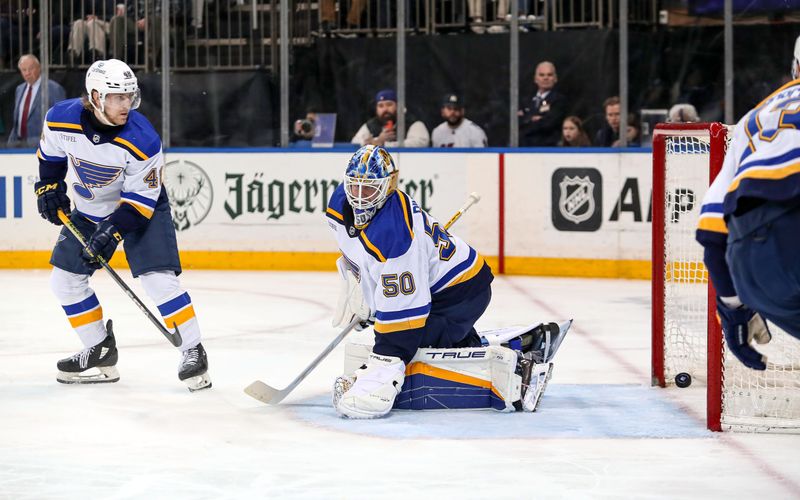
[264,393]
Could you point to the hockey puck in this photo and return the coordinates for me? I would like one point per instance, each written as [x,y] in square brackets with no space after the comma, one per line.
[683,380]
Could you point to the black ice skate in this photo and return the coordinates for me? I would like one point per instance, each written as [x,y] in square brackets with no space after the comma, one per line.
[193,369]
[99,361]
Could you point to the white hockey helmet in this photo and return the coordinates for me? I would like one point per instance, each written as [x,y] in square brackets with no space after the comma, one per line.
[796,60]
[111,77]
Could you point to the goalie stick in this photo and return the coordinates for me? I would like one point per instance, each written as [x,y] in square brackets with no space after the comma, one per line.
[174,338]
[271,396]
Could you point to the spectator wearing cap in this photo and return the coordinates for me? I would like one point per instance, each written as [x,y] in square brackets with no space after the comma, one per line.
[541,117]
[457,131]
[381,129]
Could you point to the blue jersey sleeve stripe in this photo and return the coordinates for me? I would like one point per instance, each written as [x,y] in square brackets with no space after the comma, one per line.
[769,162]
[85,305]
[458,269]
[141,199]
[52,159]
[405,313]
[712,207]
[173,305]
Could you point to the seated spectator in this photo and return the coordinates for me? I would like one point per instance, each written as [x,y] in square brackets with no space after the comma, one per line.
[381,129]
[92,26]
[682,113]
[634,133]
[457,131]
[609,133]
[573,135]
[541,117]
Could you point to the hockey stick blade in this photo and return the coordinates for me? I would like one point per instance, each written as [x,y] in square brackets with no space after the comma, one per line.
[174,338]
[271,396]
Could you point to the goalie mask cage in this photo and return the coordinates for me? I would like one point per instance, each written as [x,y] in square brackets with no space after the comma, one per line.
[686,337]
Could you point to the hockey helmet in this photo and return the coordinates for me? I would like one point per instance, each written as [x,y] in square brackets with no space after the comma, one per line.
[112,77]
[370,178]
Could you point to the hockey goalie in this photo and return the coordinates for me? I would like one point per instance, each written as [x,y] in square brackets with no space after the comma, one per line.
[423,289]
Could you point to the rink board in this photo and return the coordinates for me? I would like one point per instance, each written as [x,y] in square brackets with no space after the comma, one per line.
[558,213]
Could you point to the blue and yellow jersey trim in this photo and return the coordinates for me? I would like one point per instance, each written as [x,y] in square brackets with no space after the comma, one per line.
[65,116]
[84,312]
[142,204]
[177,311]
[712,219]
[138,137]
[130,148]
[390,233]
[461,272]
[336,204]
[65,127]
[398,321]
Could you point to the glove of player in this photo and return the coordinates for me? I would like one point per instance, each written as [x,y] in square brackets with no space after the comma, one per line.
[50,196]
[103,243]
[741,326]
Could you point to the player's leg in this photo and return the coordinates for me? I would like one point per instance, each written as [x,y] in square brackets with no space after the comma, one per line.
[152,254]
[69,282]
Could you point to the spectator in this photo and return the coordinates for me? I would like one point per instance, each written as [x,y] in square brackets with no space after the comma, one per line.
[609,133]
[540,118]
[381,129]
[93,26]
[682,113]
[633,134]
[27,125]
[457,131]
[573,135]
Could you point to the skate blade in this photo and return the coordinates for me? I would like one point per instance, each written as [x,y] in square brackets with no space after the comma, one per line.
[105,375]
[198,383]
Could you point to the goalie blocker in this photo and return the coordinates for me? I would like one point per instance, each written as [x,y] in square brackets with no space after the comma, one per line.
[510,373]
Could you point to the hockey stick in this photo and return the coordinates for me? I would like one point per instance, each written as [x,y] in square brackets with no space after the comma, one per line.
[174,338]
[271,396]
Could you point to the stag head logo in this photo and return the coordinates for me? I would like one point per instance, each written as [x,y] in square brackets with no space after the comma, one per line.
[190,193]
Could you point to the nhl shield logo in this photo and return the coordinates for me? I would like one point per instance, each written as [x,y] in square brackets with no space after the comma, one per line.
[577,199]
[576,202]
[96,138]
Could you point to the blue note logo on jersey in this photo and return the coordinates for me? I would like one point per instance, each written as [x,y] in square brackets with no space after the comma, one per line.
[92,175]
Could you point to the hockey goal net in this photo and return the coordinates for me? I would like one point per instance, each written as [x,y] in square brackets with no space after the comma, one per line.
[687,338]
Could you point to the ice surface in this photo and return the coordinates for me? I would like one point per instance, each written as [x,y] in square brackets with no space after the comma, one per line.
[601,431]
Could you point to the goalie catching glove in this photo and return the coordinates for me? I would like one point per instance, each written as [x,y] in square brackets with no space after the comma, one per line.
[351,299]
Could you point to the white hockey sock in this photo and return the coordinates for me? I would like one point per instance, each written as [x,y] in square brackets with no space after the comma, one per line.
[174,304]
[80,304]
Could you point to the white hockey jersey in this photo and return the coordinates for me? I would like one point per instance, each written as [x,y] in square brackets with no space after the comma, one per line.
[466,135]
[104,170]
[403,259]
[762,161]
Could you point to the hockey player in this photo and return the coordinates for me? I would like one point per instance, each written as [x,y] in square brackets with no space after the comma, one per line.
[421,286]
[111,157]
[749,223]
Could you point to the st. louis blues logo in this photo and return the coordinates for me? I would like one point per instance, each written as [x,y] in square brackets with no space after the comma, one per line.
[92,175]
[577,198]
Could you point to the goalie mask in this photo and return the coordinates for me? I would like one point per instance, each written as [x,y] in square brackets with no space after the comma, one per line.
[370,178]
[111,77]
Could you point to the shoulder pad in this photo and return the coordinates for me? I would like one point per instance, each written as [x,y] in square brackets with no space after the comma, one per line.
[336,204]
[65,116]
[391,231]
[139,137]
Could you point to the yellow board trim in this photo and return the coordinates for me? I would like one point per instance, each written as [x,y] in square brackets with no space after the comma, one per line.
[73,126]
[400,325]
[136,150]
[180,317]
[86,318]
[420,368]
[323,261]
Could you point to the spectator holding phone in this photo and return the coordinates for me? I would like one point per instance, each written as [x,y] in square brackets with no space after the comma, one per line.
[381,129]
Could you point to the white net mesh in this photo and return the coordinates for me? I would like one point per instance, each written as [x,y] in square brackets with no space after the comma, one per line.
[751,400]
[685,279]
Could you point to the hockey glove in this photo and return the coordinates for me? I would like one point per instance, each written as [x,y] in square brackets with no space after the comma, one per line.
[103,243]
[50,196]
[741,326]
